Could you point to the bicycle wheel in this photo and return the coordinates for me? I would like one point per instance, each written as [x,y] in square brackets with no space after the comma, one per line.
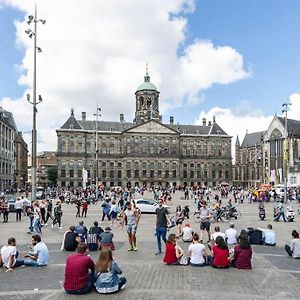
[197,217]
[226,216]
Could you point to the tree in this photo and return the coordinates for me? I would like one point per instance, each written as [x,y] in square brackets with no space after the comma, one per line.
[52,175]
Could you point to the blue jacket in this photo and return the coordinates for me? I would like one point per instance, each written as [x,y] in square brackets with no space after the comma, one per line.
[108,282]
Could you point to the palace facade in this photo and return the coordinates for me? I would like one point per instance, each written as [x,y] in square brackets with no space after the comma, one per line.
[144,152]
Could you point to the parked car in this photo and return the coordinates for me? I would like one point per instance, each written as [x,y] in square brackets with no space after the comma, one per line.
[147,205]
[11,204]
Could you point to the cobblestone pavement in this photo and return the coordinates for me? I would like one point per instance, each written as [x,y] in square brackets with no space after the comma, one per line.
[274,275]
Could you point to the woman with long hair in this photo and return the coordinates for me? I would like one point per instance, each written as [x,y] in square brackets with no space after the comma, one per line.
[220,254]
[107,270]
[242,253]
[173,251]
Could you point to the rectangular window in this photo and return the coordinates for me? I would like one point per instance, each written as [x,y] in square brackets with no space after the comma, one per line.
[103,173]
[63,183]
[63,173]
[152,173]
[111,174]
[119,174]
[184,174]
[79,173]
[71,173]
[159,173]
[174,173]
[144,173]
[192,174]
[128,173]
[136,173]
[167,174]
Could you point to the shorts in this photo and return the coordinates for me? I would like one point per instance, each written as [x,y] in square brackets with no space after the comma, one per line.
[205,226]
[113,215]
[131,229]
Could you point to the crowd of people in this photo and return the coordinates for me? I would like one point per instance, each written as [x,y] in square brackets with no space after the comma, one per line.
[83,274]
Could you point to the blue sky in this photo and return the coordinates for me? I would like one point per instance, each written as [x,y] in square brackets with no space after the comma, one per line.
[103,56]
[267,34]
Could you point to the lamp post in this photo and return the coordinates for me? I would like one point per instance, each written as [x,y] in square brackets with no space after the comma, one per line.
[285,149]
[97,114]
[34,102]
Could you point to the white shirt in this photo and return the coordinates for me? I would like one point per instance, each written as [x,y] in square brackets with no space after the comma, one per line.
[19,204]
[295,247]
[6,251]
[41,250]
[231,235]
[196,252]
[216,234]
[187,234]
[270,236]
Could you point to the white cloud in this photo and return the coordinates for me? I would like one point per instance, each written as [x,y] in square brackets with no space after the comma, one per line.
[96,50]
[235,121]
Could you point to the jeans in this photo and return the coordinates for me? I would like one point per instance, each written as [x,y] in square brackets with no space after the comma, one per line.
[288,250]
[30,224]
[87,289]
[37,226]
[31,263]
[161,232]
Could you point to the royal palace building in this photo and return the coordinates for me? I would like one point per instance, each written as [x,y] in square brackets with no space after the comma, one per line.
[144,152]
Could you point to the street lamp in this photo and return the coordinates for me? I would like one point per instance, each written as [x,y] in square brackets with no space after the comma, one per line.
[34,102]
[97,114]
[285,149]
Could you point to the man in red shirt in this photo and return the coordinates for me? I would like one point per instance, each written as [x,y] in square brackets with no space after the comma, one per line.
[78,279]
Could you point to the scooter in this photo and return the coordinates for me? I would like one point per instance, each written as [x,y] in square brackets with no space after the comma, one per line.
[262,213]
[290,215]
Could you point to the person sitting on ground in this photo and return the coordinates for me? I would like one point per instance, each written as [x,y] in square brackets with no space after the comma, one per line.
[216,234]
[231,235]
[106,239]
[294,249]
[94,237]
[269,236]
[173,251]
[242,253]
[79,272]
[197,252]
[107,271]
[70,240]
[187,233]
[219,254]
[9,255]
[81,230]
[39,255]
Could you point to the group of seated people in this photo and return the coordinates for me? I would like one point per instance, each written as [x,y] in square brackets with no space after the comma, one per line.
[218,255]
[36,257]
[96,238]
[82,275]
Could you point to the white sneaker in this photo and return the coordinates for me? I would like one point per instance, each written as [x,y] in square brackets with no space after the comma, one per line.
[123,287]
[60,227]
[52,225]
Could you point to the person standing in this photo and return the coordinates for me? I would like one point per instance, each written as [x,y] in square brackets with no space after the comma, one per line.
[5,211]
[132,216]
[161,225]
[49,209]
[205,215]
[36,218]
[19,209]
[79,272]
[57,215]
[85,206]
[78,205]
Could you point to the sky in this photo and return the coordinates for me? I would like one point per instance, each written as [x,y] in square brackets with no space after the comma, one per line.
[236,60]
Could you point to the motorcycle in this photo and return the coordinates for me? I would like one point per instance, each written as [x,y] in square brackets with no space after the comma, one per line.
[262,213]
[290,215]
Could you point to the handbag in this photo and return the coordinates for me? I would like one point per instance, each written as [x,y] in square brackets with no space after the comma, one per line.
[183,261]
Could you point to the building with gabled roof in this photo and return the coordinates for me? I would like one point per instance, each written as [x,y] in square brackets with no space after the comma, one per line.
[144,152]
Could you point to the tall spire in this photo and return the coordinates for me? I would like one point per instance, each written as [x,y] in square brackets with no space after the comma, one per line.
[147,77]
[237,143]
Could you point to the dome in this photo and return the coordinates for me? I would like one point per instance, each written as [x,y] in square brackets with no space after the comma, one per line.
[146,85]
